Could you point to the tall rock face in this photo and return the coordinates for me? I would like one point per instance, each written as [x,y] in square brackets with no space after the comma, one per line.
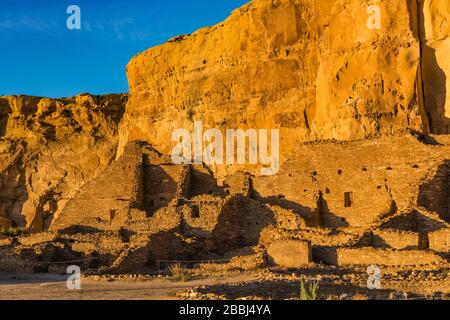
[366,82]
[49,148]
[313,68]
[435,35]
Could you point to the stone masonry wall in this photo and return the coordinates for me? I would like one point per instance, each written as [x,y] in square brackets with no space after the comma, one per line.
[360,181]
[114,192]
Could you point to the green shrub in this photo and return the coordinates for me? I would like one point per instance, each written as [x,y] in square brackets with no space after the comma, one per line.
[309,290]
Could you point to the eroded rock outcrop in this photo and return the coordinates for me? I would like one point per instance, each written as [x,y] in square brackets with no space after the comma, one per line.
[314,69]
[48,149]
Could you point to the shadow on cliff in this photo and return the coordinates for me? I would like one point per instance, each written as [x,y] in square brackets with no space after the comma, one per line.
[433,78]
[5,111]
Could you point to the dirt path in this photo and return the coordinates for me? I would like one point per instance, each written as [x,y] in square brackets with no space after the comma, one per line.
[335,283]
[53,287]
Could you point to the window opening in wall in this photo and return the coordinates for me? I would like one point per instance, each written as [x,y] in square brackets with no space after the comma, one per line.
[424,241]
[112,214]
[195,212]
[348,199]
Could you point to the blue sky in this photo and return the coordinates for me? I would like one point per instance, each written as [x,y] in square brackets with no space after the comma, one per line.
[40,56]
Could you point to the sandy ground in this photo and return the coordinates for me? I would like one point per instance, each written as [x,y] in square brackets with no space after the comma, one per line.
[335,284]
[53,287]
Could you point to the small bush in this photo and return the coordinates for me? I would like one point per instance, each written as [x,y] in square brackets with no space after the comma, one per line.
[13,231]
[309,290]
[179,273]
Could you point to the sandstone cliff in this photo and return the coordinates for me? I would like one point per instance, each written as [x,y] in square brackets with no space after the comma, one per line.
[311,68]
[435,35]
[48,149]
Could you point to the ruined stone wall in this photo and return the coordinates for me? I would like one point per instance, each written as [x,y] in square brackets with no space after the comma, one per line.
[237,183]
[240,223]
[131,260]
[29,254]
[201,215]
[367,256]
[200,220]
[395,239]
[161,185]
[439,240]
[290,253]
[113,193]
[435,193]
[288,219]
[184,183]
[360,181]
[10,261]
